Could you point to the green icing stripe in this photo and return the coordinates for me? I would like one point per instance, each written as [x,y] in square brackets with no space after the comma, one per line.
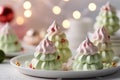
[79,66]
[64,54]
[10,47]
[45,57]
[46,65]
[8,38]
[107,55]
[89,59]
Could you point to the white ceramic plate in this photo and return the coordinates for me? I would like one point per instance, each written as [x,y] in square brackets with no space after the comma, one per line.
[27,50]
[56,74]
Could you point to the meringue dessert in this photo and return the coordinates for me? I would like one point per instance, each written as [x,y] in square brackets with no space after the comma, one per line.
[108,18]
[46,57]
[101,39]
[87,57]
[56,35]
[32,37]
[8,40]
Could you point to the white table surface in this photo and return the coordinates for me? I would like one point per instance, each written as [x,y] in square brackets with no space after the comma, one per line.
[8,72]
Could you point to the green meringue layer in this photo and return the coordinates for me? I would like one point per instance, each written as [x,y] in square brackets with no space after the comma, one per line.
[62,47]
[45,57]
[46,65]
[89,59]
[107,55]
[46,61]
[64,54]
[105,46]
[88,62]
[9,43]
[85,67]
[57,37]
[107,65]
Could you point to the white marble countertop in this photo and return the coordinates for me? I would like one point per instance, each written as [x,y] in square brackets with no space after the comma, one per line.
[8,72]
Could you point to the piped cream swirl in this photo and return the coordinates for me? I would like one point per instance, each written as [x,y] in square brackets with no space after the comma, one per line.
[87,48]
[54,28]
[46,47]
[101,35]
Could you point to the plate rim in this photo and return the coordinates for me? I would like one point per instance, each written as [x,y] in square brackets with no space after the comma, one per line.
[56,71]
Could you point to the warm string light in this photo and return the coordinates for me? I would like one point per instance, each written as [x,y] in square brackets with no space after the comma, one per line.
[19,20]
[92,6]
[66,0]
[26,5]
[56,10]
[66,23]
[76,14]
[27,13]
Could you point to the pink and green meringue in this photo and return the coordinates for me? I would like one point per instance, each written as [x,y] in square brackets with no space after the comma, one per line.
[101,39]
[8,40]
[46,57]
[56,35]
[87,57]
[107,17]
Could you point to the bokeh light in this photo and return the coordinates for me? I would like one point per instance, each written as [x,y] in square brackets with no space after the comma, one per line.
[92,6]
[76,14]
[19,20]
[66,23]
[56,10]
[27,13]
[27,5]
[66,0]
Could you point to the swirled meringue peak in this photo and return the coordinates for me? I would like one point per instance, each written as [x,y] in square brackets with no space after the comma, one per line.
[46,47]
[54,28]
[87,48]
[108,7]
[101,35]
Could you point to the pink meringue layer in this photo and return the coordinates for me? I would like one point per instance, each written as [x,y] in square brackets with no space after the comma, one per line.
[87,48]
[101,34]
[54,28]
[46,47]
[108,7]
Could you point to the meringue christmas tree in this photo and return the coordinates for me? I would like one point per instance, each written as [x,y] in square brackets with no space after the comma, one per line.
[101,39]
[56,35]
[8,40]
[46,57]
[107,17]
[87,57]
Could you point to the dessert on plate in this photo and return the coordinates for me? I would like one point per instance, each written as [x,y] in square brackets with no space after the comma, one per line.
[101,39]
[87,57]
[8,40]
[46,57]
[32,37]
[56,35]
[107,17]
